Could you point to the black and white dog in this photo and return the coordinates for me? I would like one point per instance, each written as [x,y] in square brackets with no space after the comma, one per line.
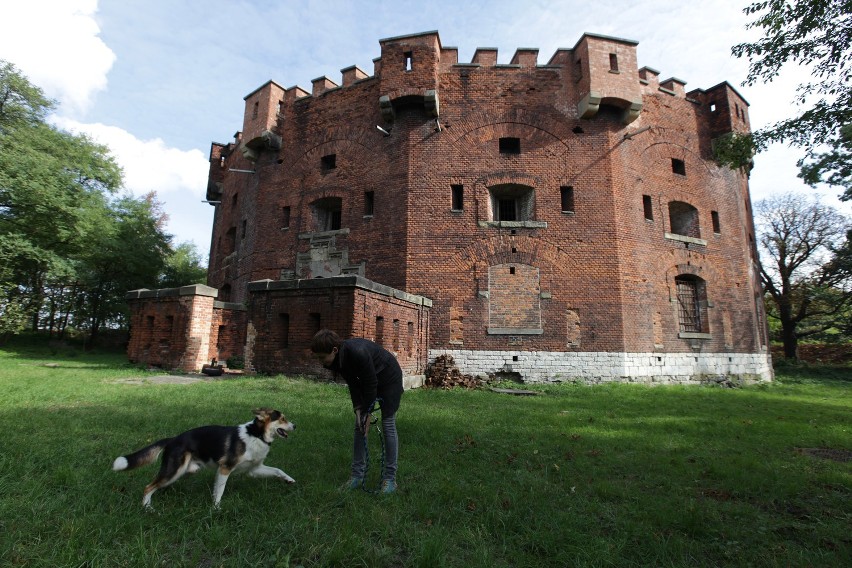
[230,448]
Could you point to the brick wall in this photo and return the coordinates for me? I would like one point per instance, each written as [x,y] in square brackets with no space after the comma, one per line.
[597,277]
[170,328]
[283,317]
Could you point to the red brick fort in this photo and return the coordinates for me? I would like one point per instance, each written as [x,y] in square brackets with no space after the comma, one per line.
[539,221]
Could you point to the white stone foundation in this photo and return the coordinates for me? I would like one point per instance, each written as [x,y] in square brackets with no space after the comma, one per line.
[648,368]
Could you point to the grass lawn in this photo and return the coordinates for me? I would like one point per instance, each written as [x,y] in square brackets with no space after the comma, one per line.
[615,475]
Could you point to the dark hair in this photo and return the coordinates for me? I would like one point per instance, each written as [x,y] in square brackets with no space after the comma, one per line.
[325,341]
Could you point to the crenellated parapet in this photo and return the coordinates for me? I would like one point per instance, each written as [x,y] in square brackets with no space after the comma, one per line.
[606,73]
[600,72]
[260,118]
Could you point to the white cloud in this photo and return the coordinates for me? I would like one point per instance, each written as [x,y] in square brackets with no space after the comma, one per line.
[55,44]
[148,164]
[179,177]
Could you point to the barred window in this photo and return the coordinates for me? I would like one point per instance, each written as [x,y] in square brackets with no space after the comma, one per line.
[691,304]
[512,202]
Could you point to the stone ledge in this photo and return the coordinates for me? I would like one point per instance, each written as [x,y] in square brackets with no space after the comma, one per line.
[353,281]
[193,290]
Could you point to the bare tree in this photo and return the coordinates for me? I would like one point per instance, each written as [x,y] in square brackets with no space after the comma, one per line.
[801,242]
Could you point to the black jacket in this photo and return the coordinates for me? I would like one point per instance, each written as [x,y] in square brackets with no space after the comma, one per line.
[371,372]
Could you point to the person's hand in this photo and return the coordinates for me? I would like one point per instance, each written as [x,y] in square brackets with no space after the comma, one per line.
[362,422]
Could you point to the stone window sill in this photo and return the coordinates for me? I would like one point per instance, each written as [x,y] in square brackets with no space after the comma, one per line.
[514,224]
[685,239]
[514,331]
[694,335]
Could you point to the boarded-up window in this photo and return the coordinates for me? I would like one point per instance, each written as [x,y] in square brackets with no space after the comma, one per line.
[456,325]
[514,299]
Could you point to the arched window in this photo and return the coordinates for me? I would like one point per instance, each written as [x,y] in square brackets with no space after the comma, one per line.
[512,202]
[684,219]
[225,293]
[327,213]
[691,304]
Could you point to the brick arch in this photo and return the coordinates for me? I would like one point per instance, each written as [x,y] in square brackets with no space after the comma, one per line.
[495,250]
[551,123]
[332,145]
[486,126]
[704,271]
[660,150]
[508,178]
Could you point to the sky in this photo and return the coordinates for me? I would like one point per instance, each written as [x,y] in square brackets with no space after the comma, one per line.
[158,81]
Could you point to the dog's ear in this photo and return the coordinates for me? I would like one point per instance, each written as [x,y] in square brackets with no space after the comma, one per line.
[262,414]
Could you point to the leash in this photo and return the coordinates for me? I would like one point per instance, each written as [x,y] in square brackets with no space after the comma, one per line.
[377,405]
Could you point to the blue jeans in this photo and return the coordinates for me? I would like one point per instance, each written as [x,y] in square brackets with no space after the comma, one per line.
[359,457]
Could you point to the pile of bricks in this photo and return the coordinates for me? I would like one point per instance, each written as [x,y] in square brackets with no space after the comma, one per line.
[444,374]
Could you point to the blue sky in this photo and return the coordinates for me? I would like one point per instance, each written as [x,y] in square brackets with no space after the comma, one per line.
[159,80]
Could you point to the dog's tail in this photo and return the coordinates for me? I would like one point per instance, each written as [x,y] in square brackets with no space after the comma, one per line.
[141,457]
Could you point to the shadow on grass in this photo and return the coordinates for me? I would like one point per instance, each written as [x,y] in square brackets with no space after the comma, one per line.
[615,475]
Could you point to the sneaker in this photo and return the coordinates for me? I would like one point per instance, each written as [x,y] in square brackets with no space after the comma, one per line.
[353,483]
[388,486]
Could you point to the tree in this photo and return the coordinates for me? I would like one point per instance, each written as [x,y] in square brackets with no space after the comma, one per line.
[21,103]
[804,266]
[183,267]
[816,34]
[128,252]
[69,249]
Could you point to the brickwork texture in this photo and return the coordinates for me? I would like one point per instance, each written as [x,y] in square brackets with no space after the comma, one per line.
[550,208]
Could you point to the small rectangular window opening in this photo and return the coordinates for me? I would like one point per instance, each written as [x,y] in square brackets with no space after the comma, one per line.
[510,145]
[369,201]
[457,197]
[285,217]
[380,330]
[284,320]
[567,199]
[255,110]
[511,270]
[678,166]
[328,162]
[408,60]
[712,107]
[648,208]
[613,62]
[714,216]
[315,323]
[243,229]
[579,67]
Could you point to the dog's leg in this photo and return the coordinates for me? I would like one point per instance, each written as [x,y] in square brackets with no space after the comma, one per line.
[219,487]
[170,471]
[267,471]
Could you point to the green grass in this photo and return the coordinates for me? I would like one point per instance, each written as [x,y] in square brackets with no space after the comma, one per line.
[616,475]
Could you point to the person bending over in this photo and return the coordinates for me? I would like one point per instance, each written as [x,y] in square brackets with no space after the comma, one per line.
[371,372]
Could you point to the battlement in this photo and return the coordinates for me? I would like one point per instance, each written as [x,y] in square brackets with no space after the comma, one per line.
[599,71]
